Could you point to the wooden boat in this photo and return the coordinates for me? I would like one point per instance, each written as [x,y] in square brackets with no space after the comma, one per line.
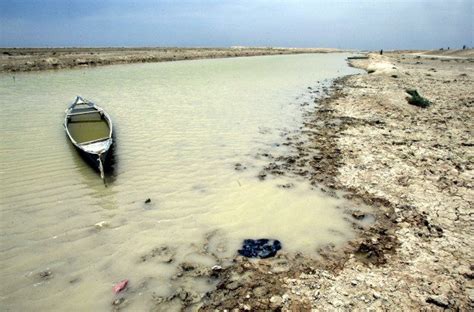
[90,130]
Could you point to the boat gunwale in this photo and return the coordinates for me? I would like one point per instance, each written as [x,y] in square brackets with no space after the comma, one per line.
[98,109]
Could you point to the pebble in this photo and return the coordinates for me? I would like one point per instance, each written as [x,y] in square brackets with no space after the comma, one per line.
[102,224]
[260,292]
[470,293]
[358,215]
[440,301]
[232,285]
[46,274]
[118,301]
[276,302]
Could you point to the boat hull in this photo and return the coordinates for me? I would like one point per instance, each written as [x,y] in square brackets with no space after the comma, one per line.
[108,159]
[89,129]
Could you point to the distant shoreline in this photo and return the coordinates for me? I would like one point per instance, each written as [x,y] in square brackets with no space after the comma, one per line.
[38,59]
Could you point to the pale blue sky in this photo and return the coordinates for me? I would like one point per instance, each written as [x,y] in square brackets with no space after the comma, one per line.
[358,24]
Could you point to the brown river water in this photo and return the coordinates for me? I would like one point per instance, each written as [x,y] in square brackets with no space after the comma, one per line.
[181,128]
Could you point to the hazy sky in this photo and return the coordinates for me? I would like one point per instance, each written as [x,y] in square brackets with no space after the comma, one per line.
[358,24]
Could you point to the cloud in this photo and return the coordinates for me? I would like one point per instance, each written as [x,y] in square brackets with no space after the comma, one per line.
[366,24]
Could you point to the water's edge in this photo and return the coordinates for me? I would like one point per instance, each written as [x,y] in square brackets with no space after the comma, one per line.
[195,147]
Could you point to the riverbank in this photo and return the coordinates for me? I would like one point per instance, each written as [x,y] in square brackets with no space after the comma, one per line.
[413,165]
[35,59]
[363,139]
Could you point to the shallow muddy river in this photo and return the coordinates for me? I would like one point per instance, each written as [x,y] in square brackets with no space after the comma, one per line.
[181,128]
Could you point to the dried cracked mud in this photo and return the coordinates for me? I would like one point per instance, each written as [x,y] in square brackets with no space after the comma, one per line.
[413,165]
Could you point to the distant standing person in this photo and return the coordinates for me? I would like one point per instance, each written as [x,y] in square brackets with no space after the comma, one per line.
[381,52]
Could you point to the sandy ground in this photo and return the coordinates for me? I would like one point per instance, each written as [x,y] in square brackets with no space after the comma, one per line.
[29,59]
[413,165]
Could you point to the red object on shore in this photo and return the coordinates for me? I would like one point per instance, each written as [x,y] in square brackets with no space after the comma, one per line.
[120,286]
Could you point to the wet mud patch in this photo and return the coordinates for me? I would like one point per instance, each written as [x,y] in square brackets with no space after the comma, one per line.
[163,254]
[256,285]
[194,275]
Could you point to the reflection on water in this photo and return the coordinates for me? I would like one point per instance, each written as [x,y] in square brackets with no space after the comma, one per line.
[183,127]
[109,166]
[106,197]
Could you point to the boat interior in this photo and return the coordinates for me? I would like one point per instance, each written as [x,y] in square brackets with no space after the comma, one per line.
[87,126]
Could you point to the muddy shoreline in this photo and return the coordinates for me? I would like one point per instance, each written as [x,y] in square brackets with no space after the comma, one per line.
[37,59]
[413,166]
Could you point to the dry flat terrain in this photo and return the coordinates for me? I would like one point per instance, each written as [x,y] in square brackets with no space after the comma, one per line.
[32,59]
[413,165]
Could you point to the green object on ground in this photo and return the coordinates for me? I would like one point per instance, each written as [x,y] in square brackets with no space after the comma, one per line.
[416,99]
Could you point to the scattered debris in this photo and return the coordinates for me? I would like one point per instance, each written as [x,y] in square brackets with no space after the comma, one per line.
[46,274]
[102,224]
[119,303]
[439,301]
[416,99]
[286,185]
[358,215]
[239,167]
[120,286]
[260,248]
